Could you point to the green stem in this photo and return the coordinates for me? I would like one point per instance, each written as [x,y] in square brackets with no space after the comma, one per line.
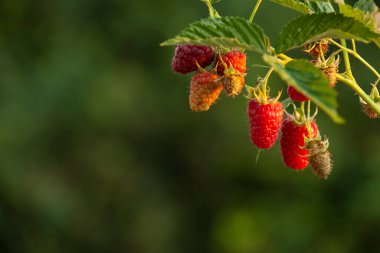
[356,55]
[255,10]
[347,60]
[359,91]
[266,82]
[353,45]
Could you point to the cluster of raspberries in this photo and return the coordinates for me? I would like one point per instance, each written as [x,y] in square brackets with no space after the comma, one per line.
[301,143]
[205,86]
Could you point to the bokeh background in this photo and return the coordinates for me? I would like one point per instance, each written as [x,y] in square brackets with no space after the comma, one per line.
[99,151]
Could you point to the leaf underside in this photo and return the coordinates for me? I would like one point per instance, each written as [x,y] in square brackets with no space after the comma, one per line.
[227,31]
[294,5]
[314,27]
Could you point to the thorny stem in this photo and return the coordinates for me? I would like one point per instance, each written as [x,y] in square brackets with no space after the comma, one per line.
[356,55]
[255,10]
[359,91]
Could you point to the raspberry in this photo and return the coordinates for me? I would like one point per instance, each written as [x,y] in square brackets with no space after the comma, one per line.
[236,59]
[330,73]
[232,66]
[292,143]
[369,111]
[204,91]
[233,84]
[186,57]
[314,49]
[265,122]
[320,158]
[329,68]
[296,95]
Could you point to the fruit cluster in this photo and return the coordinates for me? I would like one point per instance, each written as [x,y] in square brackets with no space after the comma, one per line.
[218,43]
[227,73]
[300,142]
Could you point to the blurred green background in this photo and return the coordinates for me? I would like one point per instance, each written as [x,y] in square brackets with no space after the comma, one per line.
[99,151]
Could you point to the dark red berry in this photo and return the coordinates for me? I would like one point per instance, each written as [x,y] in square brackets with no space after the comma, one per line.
[186,58]
[265,122]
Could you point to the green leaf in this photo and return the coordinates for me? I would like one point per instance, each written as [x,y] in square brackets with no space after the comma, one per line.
[314,27]
[226,31]
[320,6]
[365,5]
[295,5]
[358,14]
[369,19]
[309,80]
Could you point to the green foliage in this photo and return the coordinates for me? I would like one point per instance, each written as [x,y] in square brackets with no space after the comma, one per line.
[319,6]
[227,31]
[309,28]
[365,5]
[295,5]
[361,13]
[310,81]
[358,14]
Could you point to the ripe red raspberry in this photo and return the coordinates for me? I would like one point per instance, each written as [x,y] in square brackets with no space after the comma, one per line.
[265,122]
[186,58]
[236,59]
[292,143]
[296,95]
[204,91]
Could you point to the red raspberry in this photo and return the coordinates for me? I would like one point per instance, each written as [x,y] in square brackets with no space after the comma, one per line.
[292,143]
[295,95]
[265,122]
[186,57]
[237,59]
[204,91]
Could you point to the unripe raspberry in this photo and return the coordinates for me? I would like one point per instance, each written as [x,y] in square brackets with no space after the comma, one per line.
[204,91]
[319,158]
[314,49]
[186,58]
[233,84]
[369,111]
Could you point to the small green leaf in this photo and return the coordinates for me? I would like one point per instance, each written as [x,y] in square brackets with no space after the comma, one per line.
[365,5]
[226,31]
[309,80]
[314,27]
[295,5]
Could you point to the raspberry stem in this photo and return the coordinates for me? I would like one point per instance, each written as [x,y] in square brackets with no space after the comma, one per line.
[255,10]
[356,55]
[359,91]
[266,82]
[346,59]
